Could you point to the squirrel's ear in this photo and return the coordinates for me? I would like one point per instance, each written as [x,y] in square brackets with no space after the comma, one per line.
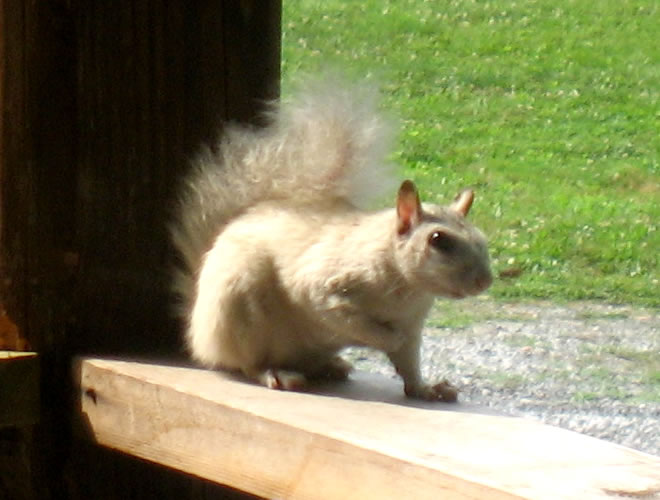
[408,207]
[463,202]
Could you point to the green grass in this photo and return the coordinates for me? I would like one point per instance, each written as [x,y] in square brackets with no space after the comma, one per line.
[549,109]
[454,315]
[601,367]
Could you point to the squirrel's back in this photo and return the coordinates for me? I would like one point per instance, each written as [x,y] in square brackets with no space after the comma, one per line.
[327,142]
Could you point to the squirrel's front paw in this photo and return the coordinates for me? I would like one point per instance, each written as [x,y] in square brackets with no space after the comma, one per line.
[442,391]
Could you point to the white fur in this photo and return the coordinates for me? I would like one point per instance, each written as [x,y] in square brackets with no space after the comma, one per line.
[286,269]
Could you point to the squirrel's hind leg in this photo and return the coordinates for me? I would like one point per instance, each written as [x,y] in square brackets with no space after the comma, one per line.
[288,380]
[283,380]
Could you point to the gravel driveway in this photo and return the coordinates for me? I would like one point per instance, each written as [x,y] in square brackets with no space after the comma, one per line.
[588,367]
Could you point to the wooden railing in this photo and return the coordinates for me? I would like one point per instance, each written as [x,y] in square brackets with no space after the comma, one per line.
[360,439]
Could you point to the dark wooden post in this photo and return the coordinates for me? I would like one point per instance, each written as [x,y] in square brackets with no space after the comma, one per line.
[154,83]
[103,104]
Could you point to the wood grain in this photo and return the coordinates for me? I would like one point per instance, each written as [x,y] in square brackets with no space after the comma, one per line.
[357,440]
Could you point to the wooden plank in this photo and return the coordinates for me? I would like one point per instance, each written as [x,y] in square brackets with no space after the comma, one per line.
[360,439]
[19,389]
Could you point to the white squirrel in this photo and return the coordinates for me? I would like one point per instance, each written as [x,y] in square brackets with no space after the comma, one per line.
[283,266]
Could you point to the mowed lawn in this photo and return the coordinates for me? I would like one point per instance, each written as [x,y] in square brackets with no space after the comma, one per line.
[548,108]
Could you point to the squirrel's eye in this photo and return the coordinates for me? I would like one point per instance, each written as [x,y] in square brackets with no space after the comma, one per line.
[442,241]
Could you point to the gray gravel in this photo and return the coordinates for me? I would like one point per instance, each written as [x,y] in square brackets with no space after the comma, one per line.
[592,368]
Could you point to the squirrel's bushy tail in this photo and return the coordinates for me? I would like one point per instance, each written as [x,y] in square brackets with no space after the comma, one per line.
[326,142]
